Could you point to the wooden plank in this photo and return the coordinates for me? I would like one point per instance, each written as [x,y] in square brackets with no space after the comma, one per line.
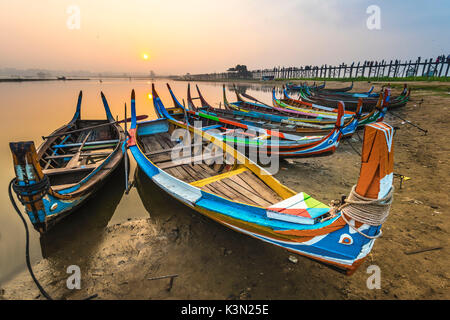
[69,170]
[241,190]
[74,161]
[63,186]
[173,149]
[155,144]
[186,171]
[226,191]
[102,146]
[252,180]
[187,160]
[200,183]
[69,155]
[92,143]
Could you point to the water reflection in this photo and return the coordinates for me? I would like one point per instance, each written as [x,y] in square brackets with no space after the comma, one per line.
[158,203]
[76,238]
[43,106]
[241,86]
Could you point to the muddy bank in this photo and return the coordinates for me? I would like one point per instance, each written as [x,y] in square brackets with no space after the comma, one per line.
[216,263]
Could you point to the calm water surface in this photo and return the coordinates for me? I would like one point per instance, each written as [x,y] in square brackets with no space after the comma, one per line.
[33,109]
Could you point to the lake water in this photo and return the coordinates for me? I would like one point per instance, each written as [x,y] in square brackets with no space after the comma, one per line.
[31,110]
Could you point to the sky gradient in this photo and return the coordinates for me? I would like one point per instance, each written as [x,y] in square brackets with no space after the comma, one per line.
[200,36]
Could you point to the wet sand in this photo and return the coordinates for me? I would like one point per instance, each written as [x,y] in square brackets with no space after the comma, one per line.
[213,262]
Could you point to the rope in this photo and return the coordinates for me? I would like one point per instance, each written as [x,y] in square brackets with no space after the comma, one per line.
[27,240]
[373,212]
[40,189]
[349,143]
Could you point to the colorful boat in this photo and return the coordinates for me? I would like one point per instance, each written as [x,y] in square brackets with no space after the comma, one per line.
[322,116]
[376,115]
[351,103]
[229,188]
[343,94]
[282,113]
[67,168]
[251,139]
[344,89]
[293,87]
[268,121]
[291,124]
[289,103]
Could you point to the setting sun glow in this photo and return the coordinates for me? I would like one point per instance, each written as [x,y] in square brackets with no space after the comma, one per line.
[145,56]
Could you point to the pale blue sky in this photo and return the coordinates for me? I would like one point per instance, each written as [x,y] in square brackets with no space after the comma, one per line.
[207,35]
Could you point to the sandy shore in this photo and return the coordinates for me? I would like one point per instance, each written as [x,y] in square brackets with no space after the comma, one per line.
[213,262]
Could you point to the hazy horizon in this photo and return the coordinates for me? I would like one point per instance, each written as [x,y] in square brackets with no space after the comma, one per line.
[200,36]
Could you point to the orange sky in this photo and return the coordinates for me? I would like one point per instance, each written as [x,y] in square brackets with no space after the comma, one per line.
[206,35]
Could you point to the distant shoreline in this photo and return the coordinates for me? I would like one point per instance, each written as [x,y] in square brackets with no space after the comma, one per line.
[23,80]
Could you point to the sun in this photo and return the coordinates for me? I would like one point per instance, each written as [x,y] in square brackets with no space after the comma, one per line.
[145,56]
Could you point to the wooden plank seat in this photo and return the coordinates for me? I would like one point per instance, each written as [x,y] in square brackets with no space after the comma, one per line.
[63,186]
[92,143]
[151,153]
[204,182]
[69,170]
[90,154]
[188,160]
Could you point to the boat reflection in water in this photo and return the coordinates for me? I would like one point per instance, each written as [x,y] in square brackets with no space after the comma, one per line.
[77,237]
[159,205]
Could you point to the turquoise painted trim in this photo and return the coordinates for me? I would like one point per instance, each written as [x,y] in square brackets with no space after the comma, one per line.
[109,116]
[152,127]
[175,100]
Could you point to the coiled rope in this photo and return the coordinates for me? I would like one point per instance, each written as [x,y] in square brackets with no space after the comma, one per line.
[38,190]
[369,211]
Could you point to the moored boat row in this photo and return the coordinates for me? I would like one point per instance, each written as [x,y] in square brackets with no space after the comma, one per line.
[208,159]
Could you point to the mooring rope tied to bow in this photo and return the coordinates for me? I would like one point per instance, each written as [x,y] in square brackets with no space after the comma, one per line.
[373,212]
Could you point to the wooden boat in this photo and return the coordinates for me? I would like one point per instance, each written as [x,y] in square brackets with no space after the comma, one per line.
[321,88]
[282,113]
[67,168]
[268,121]
[277,104]
[344,89]
[366,94]
[289,103]
[229,188]
[254,140]
[376,115]
[349,128]
[314,87]
[351,103]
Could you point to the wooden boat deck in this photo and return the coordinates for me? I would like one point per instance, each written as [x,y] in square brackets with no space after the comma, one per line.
[224,180]
[68,158]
